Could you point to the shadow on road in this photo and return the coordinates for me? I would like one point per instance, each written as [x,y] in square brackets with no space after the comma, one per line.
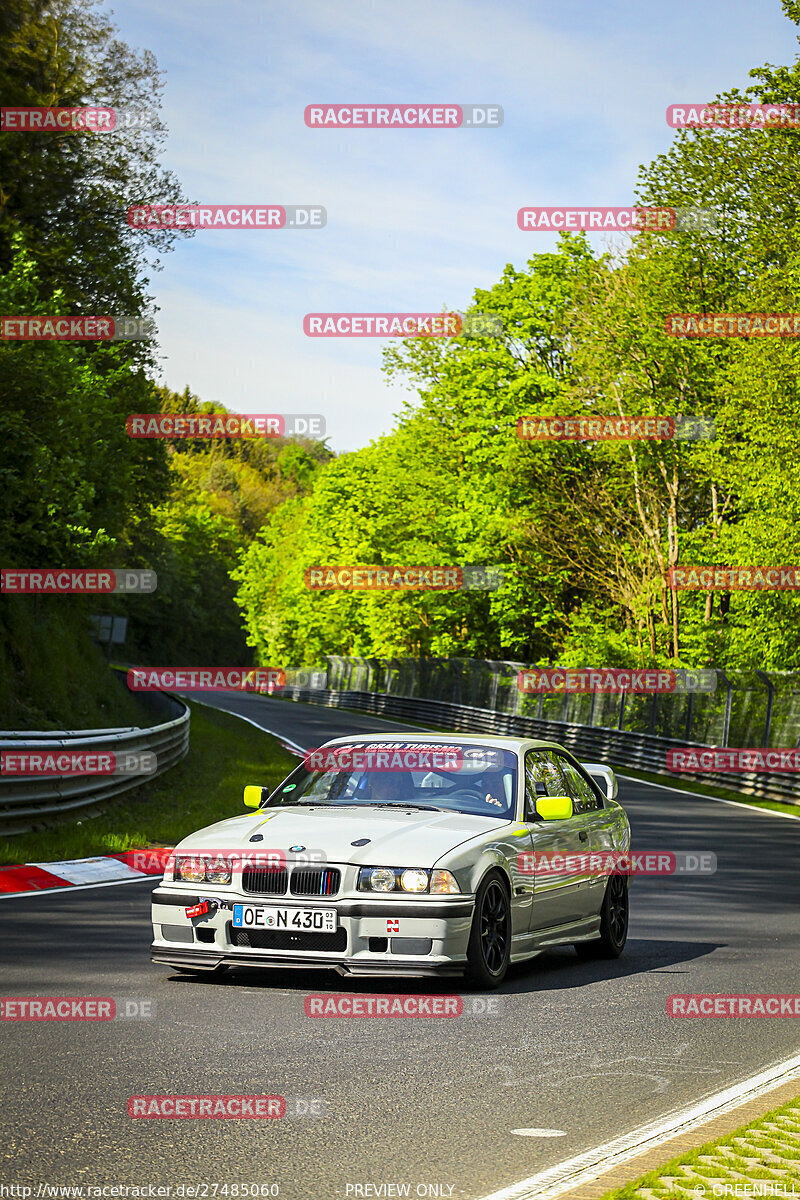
[556,970]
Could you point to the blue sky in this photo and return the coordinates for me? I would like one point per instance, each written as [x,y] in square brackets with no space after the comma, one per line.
[416,219]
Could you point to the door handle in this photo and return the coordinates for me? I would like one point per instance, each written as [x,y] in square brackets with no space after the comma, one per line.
[583,835]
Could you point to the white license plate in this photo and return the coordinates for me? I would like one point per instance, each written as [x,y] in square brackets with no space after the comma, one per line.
[311,920]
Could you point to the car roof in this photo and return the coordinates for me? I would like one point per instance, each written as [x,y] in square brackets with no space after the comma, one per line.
[449,739]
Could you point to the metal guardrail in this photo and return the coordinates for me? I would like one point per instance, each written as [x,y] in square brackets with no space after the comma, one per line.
[621,748]
[26,802]
[745,708]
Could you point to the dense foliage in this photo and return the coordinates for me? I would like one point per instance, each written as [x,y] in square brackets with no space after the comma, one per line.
[77,490]
[587,532]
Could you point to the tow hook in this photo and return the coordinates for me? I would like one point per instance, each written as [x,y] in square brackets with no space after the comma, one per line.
[207,904]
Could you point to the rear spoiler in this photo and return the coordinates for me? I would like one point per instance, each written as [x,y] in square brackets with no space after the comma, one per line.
[604,777]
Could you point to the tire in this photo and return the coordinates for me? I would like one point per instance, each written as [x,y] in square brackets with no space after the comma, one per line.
[613,923]
[489,949]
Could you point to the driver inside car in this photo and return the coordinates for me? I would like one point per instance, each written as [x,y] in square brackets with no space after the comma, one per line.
[389,785]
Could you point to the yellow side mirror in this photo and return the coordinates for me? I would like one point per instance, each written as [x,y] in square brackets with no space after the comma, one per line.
[253,796]
[555,808]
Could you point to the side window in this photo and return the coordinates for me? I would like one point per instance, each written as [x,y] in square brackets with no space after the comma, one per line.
[543,777]
[580,789]
[534,782]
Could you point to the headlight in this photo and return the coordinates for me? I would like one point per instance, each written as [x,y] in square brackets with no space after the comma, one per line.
[393,879]
[382,879]
[218,870]
[203,870]
[443,881]
[193,870]
[414,881]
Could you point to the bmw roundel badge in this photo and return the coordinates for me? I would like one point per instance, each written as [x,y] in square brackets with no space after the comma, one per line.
[296,849]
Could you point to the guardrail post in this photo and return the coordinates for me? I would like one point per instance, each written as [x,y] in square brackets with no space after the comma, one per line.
[455,667]
[333,661]
[372,670]
[495,669]
[687,732]
[473,690]
[726,717]
[514,706]
[652,722]
[764,677]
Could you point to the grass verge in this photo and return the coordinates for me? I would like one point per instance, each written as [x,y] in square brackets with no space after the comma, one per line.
[759,1159]
[225,753]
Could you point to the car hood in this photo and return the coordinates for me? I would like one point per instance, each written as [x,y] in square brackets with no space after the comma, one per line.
[396,837]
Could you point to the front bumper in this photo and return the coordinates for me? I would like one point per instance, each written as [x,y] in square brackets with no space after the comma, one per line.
[374,936]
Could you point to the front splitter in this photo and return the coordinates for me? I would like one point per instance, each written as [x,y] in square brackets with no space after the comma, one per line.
[209,960]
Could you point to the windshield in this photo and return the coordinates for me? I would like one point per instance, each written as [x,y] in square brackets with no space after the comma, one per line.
[474,779]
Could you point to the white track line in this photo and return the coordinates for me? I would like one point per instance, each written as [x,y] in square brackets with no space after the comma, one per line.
[740,804]
[589,1166]
[291,745]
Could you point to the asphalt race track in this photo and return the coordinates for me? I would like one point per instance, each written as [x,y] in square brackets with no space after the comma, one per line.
[586,1049]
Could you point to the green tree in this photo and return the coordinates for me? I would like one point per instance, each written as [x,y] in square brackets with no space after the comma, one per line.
[68,192]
